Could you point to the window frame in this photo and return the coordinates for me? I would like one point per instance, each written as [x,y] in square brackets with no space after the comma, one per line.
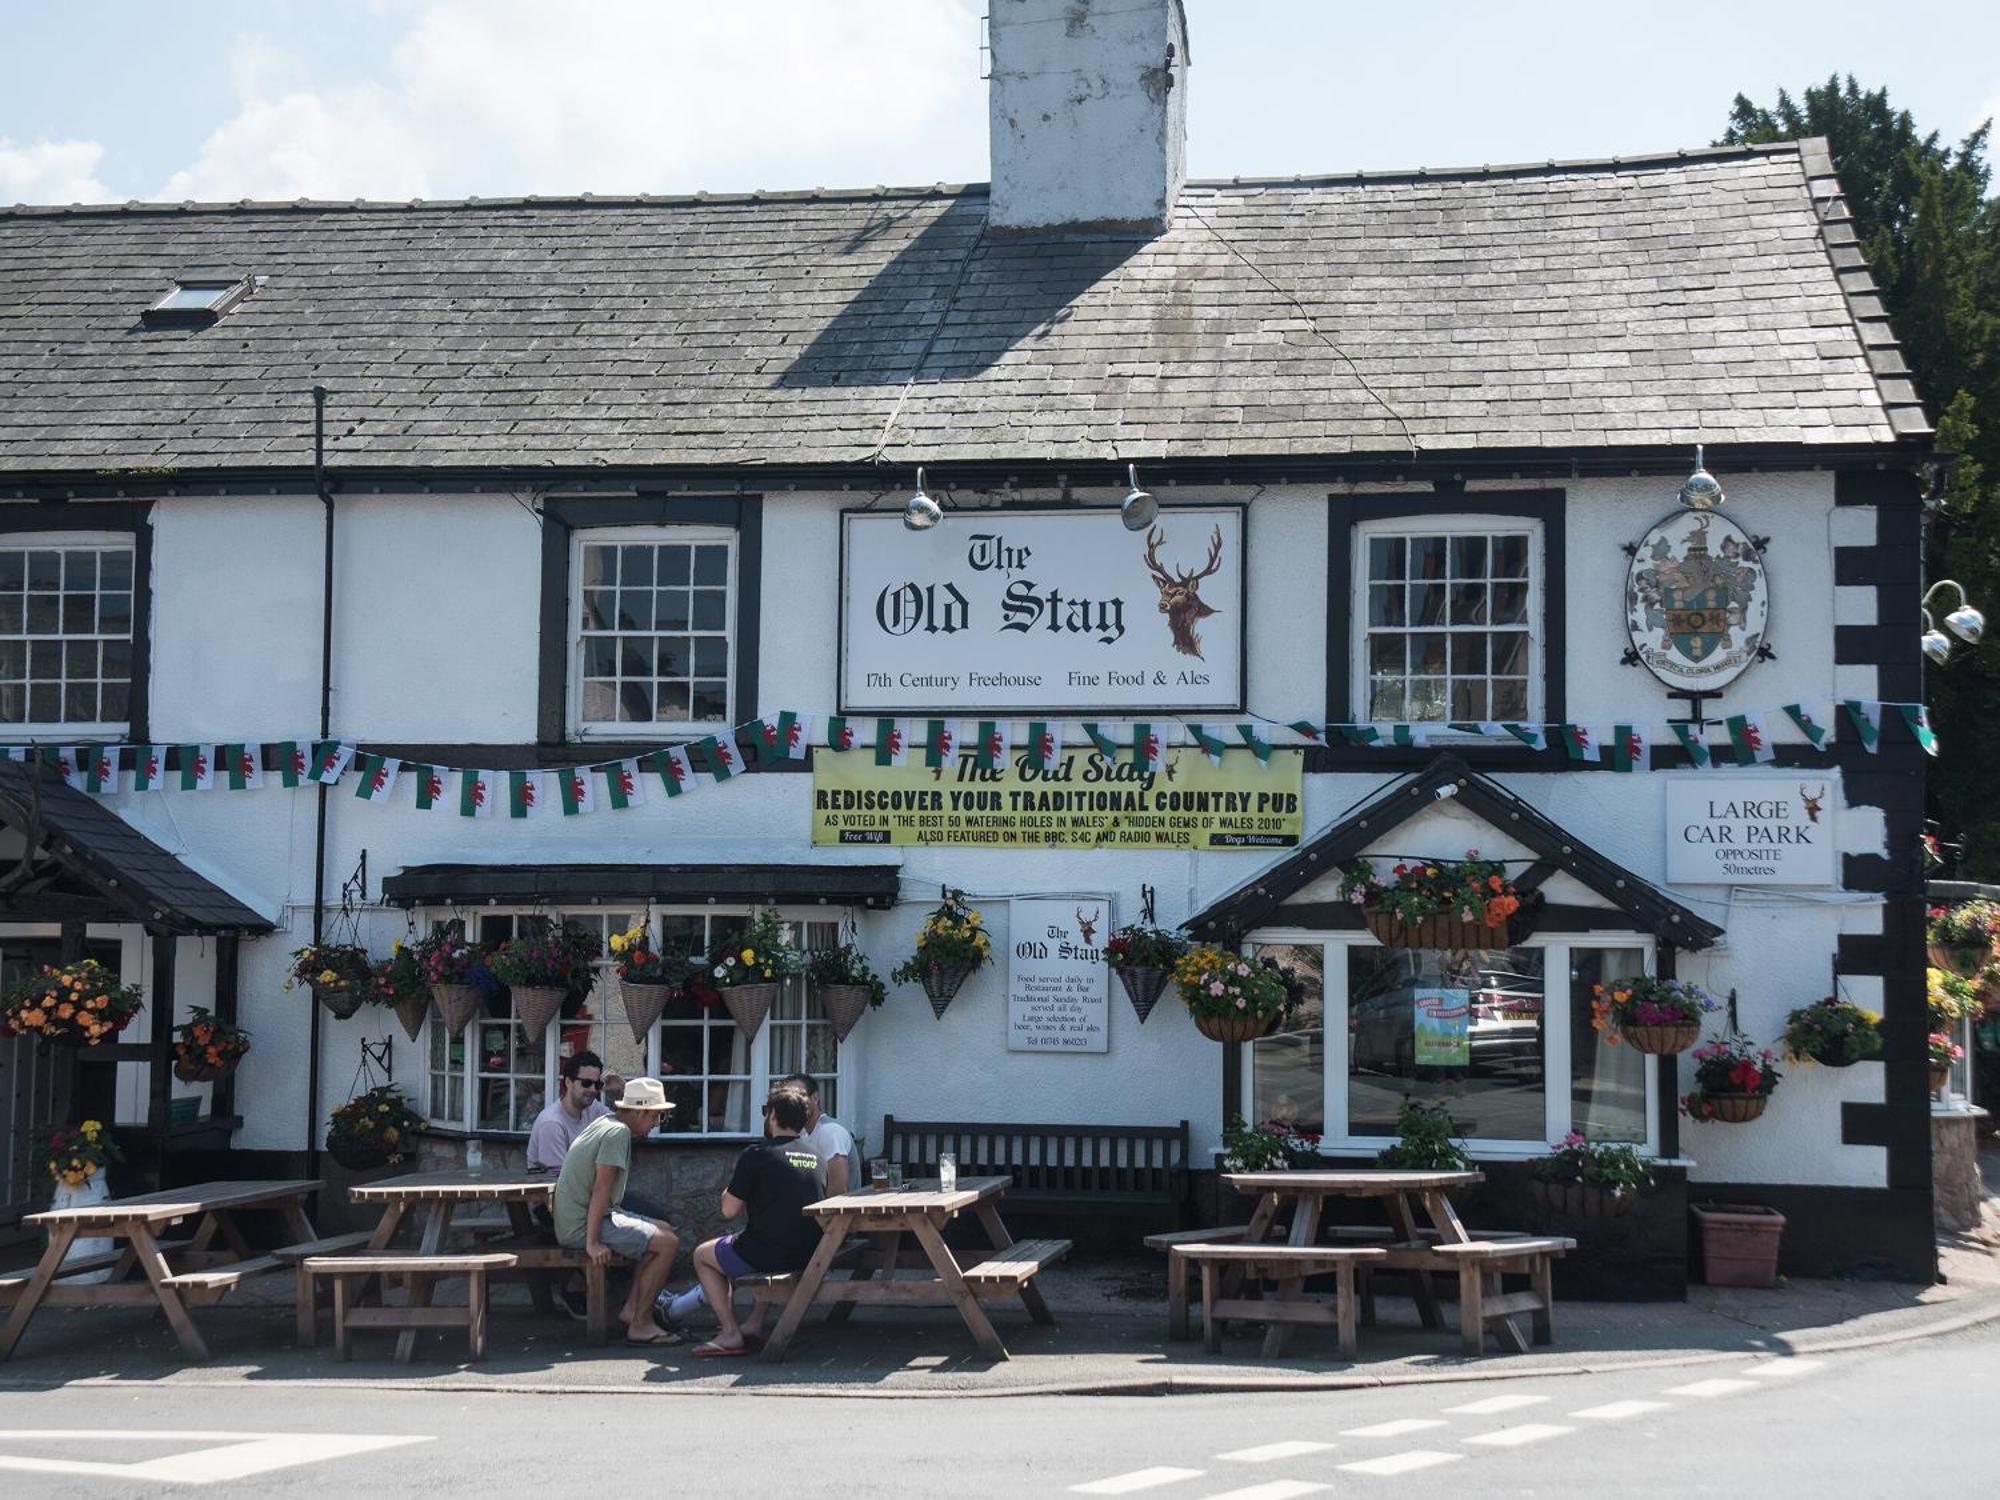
[1558,1106]
[84,524]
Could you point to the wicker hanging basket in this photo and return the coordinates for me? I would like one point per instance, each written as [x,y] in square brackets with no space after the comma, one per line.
[1962,959]
[356,1158]
[749,1004]
[456,1005]
[941,982]
[189,1071]
[1142,988]
[1239,1028]
[411,1010]
[1736,1109]
[1661,1041]
[537,1005]
[342,999]
[1448,933]
[1571,1201]
[845,1005]
[644,1005]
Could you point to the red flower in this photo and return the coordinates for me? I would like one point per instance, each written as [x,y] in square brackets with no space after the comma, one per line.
[1746,1076]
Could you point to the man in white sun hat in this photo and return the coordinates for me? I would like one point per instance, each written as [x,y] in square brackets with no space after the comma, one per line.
[588,1217]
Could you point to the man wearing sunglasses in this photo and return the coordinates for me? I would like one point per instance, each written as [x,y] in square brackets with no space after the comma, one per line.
[576,1104]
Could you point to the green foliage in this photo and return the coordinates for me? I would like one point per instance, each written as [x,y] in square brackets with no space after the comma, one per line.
[1424,1140]
[1274,1146]
[1604,1164]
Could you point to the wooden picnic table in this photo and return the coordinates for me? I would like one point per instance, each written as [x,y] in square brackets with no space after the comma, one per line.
[921,1210]
[217,1258]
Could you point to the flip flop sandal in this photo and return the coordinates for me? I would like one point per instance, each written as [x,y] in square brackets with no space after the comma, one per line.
[666,1340]
[712,1350]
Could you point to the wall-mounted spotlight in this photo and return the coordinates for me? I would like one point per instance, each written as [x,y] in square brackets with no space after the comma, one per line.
[1965,622]
[920,512]
[1138,509]
[1700,490]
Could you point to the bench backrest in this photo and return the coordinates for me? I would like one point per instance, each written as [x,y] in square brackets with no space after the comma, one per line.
[1095,1160]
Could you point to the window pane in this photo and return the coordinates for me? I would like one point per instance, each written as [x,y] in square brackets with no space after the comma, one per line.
[1468,604]
[711,565]
[80,571]
[44,570]
[1607,1084]
[675,656]
[13,703]
[13,570]
[45,703]
[1468,557]
[1427,557]
[635,702]
[1288,1068]
[79,659]
[600,566]
[635,656]
[13,611]
[1510,556]
[670,609]
[115,702]
[1385,557]
[1468,700]
[1510,653]
[45,659]
[710,703]
[1510,698]
[1462,1027]
[670,702]
[635,609]
[600,701]
[1387,698]
[710,609]
[1427,604]
[600,609]
[600,656]
[114,570]
[1427,652]
[635,565]
[1468,655]
[1510,603]
[711,656]
[44,613]
[1388,653]
[114,614]
[1386,604]
[672,565]
[79,613]
[1426,699]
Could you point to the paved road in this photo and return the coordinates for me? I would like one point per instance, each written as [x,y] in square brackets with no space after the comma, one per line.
[1908,1420]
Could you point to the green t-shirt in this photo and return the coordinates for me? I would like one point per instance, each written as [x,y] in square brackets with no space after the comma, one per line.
[605,1142]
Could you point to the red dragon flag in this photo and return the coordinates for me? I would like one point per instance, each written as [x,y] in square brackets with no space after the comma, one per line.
[785,737]
[1580,743]
[940,743]
[621,785]
[477,791]
[377,777]
[1750,738]
[1630,748]
[892,742]
[718,756]
[1259,743]
[527,794]
[676,770]
[244,766]
[293,762]
[1149,747]
[1213,740]
[840,733]
[430,787]
[1045,742]
[102,767]
[70,762]
[330,761]
[1103,739]
[992,744]
[575,787]
[149,767]
[197,768]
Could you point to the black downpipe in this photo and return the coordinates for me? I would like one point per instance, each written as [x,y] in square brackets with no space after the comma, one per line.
[325,728]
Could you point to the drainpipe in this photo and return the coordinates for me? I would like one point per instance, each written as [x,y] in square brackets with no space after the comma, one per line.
[325,728]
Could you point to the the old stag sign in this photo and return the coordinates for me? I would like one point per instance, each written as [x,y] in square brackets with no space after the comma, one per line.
[1696,601]
[1000,611]
[1751,830]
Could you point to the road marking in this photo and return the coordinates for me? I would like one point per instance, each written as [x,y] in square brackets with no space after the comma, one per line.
[1617,1411]
[1711,1388]
[1269,1451]
[1402,1463]
[1396,1428]
[1138,1479]
[230,1455]
[1784,1367]
[1515,1437]
[1277,1489]
[1495,1404]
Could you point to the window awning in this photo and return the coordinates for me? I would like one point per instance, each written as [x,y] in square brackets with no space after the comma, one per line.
[872,886]
[81,860]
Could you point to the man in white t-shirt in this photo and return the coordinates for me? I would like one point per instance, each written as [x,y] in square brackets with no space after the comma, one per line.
[828,1139]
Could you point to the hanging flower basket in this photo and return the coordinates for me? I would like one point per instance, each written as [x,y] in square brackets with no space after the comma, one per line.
[456,1005]
[1571,1201]
[941,982]
[202,1072]
[1736,1109]
[75,1005]
[356,1158]
[410,1011]
[343,1000]
[1242,1028]
[748,1004]
[1451,933]
[644,1005]
[1142,988]
[537,1005]
[1962,959]
[1660,1041]
[951,943]
[845,1005]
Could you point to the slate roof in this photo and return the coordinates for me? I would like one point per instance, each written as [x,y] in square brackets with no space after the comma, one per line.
[1713,295]
[116,859]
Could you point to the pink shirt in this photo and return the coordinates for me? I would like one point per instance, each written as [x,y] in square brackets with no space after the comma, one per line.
[555,1131]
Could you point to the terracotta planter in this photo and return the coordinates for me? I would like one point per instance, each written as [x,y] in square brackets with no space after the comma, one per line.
[941,982]
[537,1005]
[456,1005]
[1737,1109]
[748,1004]
[845,1005]
[1440,932]
[1142,988]
[1962,959]
[1739,1243]
[1582,1200]
[189,1071]
[342,999]
[1239,1028]
[410,1011]
[1661,1041]
[644,1005]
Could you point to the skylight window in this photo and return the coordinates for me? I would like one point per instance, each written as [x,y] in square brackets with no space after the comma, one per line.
[199,297]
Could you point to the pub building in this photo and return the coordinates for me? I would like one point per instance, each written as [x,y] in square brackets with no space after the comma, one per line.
[1158,545]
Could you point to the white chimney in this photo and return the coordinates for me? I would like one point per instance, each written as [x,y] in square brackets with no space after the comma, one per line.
[1088,112]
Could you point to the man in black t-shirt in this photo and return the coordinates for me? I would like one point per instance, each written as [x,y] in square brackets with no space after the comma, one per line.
[773,1182]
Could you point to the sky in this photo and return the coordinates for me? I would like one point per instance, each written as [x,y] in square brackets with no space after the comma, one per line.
[109,100]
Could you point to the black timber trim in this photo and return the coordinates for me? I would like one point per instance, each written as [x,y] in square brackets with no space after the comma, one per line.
[1666,1069]
[57,516]
[1258,900]
[1343,607]
[872,886]
[564,514]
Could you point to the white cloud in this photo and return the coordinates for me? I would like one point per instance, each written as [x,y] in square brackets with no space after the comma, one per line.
[51,172]
[495,97]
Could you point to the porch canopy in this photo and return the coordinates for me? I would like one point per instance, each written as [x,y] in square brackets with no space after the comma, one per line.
[871,886]
[1629,901]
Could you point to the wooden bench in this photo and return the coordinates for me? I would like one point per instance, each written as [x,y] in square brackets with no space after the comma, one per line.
[537,1254]
[1056,1169]
[1005,1272]
[304,1298]
[1287,1267]
[1481,1300]
[118,1262]
[344,1270]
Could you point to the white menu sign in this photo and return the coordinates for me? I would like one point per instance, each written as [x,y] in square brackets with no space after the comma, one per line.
[1057,979]
[1773,829]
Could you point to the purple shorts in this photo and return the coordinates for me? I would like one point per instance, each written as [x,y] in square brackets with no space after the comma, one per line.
[733,1265]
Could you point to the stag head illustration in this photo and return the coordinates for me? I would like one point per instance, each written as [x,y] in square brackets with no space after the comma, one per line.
[1814,802]
[1088,925]
[1180,594]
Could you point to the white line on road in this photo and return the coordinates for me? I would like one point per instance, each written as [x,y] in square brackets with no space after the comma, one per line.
[1396,1428]
[1617,1411]
[1784,1367]
[1138,1479]
[1711,1388]
[1515,1437]
[1493,1405]
[1298,1448]
[1277,1489]
[1402,1463]
[241,1455]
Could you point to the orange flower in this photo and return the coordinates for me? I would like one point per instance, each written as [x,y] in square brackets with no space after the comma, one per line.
[1493,882]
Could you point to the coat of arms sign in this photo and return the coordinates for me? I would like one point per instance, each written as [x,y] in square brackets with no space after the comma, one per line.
[1697,602]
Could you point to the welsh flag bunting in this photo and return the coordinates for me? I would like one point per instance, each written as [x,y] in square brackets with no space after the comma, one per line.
[676,768]
[70,765]
[621,785]
[785,737]
[102,775]
[330,761]
[1045,739]
[1630,750]
[1866,716]
[717,756]
[992,744]
[892,742]
[1104,742]
[526,794]
[1210,738]
[1534,736]
[940,743]
[1149,747]
[292,761]
[477,792]
[1316,733]
[574,787]
[1918,718]
[1259,746]
[197,768]
[1408,734]
[1815,722]
[244,766]
[1359,734]
[1751,739]
[1579,742]
[1693,740]
[376,777]
[430,787]
[149,768]
[840,733]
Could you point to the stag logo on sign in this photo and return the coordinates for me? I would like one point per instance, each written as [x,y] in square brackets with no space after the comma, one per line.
[1180,592]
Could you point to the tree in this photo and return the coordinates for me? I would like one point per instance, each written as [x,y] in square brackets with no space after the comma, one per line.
[1932,238]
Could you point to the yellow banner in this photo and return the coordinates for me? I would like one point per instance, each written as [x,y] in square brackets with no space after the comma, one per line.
[1083,803]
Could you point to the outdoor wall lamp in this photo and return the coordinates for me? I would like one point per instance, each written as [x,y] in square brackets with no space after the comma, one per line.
[920,512]
[1139,508]
[1965,622]
[1700,490]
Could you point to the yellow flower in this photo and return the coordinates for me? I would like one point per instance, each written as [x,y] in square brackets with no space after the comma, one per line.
[973,918]
[749,955]
[390,1134]
[91,1128]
